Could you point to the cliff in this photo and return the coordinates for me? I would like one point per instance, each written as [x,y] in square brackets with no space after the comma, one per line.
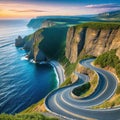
[36,22]
[19,42]
[111,16]
[60,43]
[44,44]
[48,23]
[92,39]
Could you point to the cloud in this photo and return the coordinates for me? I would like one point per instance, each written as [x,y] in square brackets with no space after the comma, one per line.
[30,10]
[110,5]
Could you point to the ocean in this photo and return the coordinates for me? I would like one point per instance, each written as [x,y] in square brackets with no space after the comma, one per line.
[22,83]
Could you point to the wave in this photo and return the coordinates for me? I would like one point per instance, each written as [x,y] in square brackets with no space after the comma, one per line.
[32,61]
[6,44]
[21,82]
[56,72]
[24,58]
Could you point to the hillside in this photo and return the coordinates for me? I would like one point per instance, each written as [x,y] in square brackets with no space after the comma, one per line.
[59,21]
[49,21]
[69,45]
[112,16]
[44,44]
[37,22]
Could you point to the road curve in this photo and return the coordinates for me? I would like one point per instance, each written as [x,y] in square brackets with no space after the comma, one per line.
[60,101]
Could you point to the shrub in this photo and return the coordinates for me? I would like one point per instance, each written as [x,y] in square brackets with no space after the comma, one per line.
[100,25]
[32,116]
[118,89]
[108,59]
[81,89]
[117,68]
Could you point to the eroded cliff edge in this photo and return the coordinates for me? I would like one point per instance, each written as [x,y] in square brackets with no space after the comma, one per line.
[92,40]
[44,44]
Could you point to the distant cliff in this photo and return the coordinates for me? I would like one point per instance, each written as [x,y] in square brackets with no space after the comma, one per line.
[37,22]
[59,21]
[111,16]
[92,39]
[48,23]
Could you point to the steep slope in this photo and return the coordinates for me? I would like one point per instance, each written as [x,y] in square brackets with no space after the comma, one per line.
[84,39]
[44,44]
[92,39]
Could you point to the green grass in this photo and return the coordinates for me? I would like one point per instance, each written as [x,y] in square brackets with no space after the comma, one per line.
[70,67]
[109,59]
[31,116]
[117,68]
[118,89]
[78,91]
[86,57]
[93,83]
[31,109]
[67,82]
[109,103]
[54,42]
[29,37]
[100,25]
[90,88]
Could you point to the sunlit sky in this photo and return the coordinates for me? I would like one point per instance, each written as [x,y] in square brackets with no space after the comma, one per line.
[11,9]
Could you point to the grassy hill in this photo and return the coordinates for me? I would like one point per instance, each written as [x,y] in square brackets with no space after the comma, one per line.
[30,116]
[113,16]
[100,25]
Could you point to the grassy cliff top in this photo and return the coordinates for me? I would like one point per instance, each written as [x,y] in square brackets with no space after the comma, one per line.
[100,25]
[29,116]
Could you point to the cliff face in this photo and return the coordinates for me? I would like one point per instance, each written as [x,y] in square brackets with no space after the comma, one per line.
[19,42]
[91,41]
[36,53]
[113,16]
[45,43]
[47,23]
[75,42]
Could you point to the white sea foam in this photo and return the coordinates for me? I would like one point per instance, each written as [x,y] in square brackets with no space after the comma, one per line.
[24,58]
[56,72]
[32,61]
[21,48]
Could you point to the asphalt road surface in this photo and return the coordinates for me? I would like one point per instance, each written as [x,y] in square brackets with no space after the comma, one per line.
[60,101]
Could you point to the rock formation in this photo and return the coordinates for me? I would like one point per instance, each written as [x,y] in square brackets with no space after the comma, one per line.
[19,42]
[91,42]
[80,40]
[47,23]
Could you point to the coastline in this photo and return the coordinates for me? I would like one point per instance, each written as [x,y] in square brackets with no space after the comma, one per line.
[59,71]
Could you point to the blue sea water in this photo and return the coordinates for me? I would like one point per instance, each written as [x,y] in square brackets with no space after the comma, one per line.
[22,83]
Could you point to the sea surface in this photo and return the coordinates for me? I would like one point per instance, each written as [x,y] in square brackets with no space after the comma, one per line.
[22,82]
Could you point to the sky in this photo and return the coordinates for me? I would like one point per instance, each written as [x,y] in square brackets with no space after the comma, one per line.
[16,9]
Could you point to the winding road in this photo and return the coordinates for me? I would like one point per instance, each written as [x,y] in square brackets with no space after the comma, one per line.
[60,101]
